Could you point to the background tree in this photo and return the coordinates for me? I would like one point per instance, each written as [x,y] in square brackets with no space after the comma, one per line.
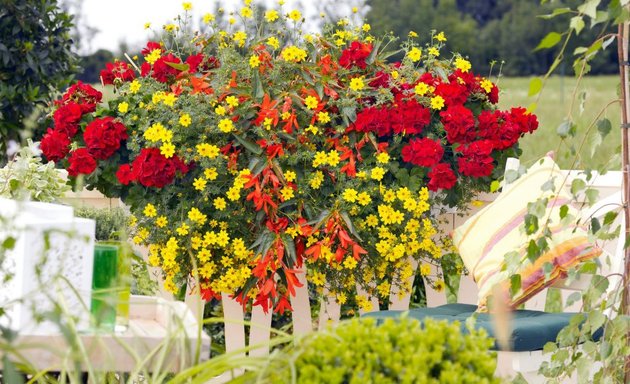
[36,61]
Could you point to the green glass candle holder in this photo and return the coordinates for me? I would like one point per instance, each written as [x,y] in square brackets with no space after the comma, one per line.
[123,283]
[104,287]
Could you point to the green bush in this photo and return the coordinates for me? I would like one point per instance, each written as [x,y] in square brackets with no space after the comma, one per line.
[36,60]
[396,351]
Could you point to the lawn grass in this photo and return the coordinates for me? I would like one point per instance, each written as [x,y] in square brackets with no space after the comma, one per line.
[556,100]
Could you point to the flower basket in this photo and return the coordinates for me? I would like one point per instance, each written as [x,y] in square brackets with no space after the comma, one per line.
[250,152]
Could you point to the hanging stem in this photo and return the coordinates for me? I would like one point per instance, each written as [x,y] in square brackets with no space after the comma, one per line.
[624,72]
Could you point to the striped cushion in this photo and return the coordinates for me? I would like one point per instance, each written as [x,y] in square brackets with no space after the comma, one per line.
[485,238]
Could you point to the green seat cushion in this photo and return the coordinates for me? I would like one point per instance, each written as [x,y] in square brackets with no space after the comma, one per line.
[531,330]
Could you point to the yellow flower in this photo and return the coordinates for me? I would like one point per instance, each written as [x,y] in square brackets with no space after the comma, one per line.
[219,203]
[440,37]
[366,27]
[321,158]
[185,120]
[371,221]
[287,193]
[434,51]
[421,89]
[294,54]
[123,107]
[462,64]
[254,61]
[208,18]
[135,86]
[226,126]
[240,37]
[310,102]
[333,158]
[289,176]
[364,199]
[196,216]
[187,6]
[316,180]
[167,149]
[273,42]
[377,173]
[395,74]
[170,27]
[412,34]
[232,20]
[161,221]
[247,12]
[232,101]
[382,157]
[220,110]
[439,285]
[356,84]
[182,230]
[425,269]
[169,99]
[211,173]
[233,194]
[200,183]
[207,150]
[486,85]
[312,129]
[149,210]
[414,54]
[153,56]
[437,102]
[350,195]
[147,25]
[323,117]
[349,262]
[271,16]
[295,15]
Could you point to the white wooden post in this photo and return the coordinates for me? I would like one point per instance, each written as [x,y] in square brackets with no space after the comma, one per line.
[301,314]
[330,311]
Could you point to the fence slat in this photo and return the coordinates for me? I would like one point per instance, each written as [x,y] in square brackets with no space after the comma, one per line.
[301,314]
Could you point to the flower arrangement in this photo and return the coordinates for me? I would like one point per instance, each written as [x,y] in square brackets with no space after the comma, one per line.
[249,152]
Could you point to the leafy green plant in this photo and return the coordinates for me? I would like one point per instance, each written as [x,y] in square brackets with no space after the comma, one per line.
[35,60]
[395,351]
[28,178]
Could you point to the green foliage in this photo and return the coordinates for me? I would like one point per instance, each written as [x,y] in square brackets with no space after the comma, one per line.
[35,59]
[111,223]
[27,178]
[396,351]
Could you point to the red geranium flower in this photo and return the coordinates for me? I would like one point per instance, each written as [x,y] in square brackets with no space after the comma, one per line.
[493,96]
[81,162]
[423,152]
[118,70]
[409,117]
[453,93]
[151,46]
[355,55]
[84,95]
[527,122]
[103,137]
[476,160]
[55,145]
[193,62]
[459,124]
[373,119]
[163,72]
[125,175]
[441,177]
[152,169]
[67,118]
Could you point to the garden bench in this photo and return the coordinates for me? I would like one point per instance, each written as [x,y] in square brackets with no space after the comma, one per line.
[526,356]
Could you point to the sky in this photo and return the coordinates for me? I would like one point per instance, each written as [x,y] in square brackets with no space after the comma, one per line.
[123,20]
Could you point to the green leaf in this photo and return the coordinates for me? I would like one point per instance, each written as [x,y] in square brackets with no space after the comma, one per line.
[563,211]
[556,12]
[589,8]
[549,41]
[592,195]
[8,243]
[577,24]
[574,298]
[595,225]
[531,224]
[566,129]
[604,126]
[610,217]
[250,145]
[535,86]
[515,283]
[179,66]
[577,185]
[494,186]
[10,373]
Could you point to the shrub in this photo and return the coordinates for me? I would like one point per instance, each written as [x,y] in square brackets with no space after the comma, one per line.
[396,351]
[35,59]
